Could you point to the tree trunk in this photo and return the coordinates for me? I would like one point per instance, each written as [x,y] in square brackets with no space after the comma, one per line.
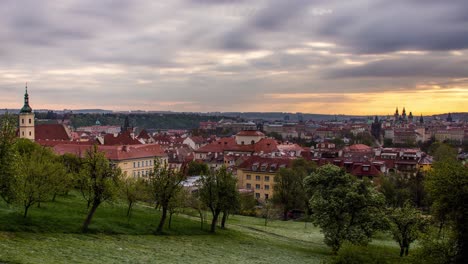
[462,240]
[214,221]
[170,219]
[53,197]
[407,250]
[26,208]
[223,220]
[39,204]
[402,251]
[129,210]
[201,219]
[88,219]
[285,214]
[162,221]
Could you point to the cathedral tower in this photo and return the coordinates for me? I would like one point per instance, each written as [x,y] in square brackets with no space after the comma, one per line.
[26,119]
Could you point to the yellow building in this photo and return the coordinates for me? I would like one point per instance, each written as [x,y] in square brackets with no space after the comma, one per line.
[134,160]
[258,174]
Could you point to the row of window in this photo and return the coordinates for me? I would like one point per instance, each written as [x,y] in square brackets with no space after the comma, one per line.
[258,177]
[137,174]
[22,121]
[257,186]
[257,195]
[142,164]
[22,133]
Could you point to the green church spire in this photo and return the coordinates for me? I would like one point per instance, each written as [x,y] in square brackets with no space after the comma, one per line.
[26,108]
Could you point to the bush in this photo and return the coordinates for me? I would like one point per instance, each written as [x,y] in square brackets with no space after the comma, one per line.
[352,254]
[435,251]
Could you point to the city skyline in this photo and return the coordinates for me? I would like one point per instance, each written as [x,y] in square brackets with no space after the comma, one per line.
[323,57]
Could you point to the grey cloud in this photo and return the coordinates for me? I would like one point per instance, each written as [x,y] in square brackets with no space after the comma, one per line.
[405,67]
[398,25]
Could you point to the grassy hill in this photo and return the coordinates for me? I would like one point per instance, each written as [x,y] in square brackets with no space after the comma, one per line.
[50,234]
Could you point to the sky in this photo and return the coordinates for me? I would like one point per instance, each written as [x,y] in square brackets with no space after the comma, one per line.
[360,57]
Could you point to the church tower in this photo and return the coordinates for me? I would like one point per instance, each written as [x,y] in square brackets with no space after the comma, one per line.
[26,119]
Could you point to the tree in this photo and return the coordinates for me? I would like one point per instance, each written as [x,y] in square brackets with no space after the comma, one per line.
[165,184]
[133,190]
[197,168]
[218,191]
[289,190]
[8,157]
[177,203]
[100,179]
[39,172]
[406,225]
[447,185]
[346,209]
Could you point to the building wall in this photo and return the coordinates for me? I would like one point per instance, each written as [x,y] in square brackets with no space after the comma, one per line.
[138,167]
[248,139]
[262,183]
[26,126]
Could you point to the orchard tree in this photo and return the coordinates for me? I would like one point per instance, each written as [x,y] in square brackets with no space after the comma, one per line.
[39,172]
[447,185]
[8,157]
[406,225]
[289,191]
[346,209]
[100,179]
[165,183]
[134,190]
[218,191]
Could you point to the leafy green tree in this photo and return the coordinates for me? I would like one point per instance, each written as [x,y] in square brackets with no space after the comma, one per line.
[289,190]
[218,191]
[8,157]
[406,225]
[447,185]
[165,184]
[197,168]
[346,209]
[134,190]
[100,179]
[176,204]
[39,172]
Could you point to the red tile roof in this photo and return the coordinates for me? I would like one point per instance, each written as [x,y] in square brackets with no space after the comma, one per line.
[269,164]
[51,132]
[265,145]
[250,133]
[114,152]
[124,138]
[144,134]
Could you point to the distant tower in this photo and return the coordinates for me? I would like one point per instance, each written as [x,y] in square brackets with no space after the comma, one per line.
[26,119]
[449,117]
[410,117]
[396,115]
[403,114]
[421,120]
[126,125]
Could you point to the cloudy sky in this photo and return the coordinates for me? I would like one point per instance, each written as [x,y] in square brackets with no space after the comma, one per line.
[333,56]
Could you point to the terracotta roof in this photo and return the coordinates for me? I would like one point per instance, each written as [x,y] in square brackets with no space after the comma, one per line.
[359,147]
[250,133]
[123,138]
[265,145]
[114,152]
[198,139]
[51,132]
[144,134]
[256,163]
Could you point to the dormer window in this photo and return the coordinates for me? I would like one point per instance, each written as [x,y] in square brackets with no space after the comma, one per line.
[263,167]
[365,168]
[255,166]
[273,167]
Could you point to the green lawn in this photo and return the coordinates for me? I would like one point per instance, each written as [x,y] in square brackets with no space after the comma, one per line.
[50,234]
